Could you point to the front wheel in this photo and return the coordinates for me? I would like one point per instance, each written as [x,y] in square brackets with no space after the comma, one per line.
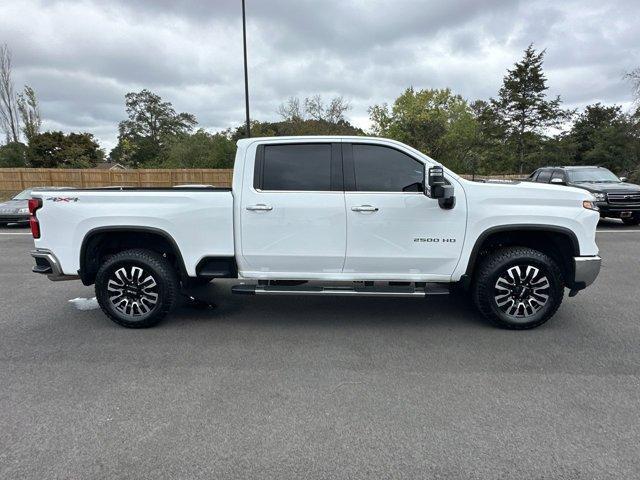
[136,288]
[634,220]
[518,288]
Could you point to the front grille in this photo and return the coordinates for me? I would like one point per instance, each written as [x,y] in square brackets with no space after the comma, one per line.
[624,198]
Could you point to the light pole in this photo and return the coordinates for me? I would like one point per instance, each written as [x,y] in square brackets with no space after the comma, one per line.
[246,75]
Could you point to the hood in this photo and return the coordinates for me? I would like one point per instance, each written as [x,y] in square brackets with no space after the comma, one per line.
[536,193]
[619,187]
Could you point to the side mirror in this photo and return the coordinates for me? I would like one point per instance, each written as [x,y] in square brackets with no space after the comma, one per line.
[558,181]
[434,182]
[624,179]
[436,187]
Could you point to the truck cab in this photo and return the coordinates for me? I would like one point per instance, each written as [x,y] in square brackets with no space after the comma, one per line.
[325,216]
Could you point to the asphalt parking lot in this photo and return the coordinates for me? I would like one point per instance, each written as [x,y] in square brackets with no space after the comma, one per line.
[272,387]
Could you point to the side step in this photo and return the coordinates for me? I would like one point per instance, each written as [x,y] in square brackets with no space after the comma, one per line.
[364,291]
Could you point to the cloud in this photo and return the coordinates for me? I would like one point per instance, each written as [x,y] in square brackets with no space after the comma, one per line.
[83,56]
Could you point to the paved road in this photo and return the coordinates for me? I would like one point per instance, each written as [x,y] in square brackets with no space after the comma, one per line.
[265,387]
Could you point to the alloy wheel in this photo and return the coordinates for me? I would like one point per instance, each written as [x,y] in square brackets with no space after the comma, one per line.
[521,291]
[133,291]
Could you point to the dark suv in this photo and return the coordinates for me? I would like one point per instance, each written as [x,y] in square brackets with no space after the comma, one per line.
[614,197]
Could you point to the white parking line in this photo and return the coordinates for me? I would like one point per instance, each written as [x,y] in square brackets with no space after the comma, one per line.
[12,233]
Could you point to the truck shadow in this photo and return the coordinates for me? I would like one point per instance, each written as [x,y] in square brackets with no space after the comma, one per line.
[449,310]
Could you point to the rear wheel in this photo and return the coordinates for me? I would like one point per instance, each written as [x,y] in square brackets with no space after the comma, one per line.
[518,288]
[136,288]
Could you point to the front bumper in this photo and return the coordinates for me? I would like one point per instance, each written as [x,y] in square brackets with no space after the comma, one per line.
[616,210]
[47,264]
[586,271]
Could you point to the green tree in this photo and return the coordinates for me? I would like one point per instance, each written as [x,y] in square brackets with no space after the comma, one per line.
[29,112]
[151,124]
[199,150]
[434,121]
[524,108]
[492,152]
[13,155]
[296,128]
[57,150]
[604,135]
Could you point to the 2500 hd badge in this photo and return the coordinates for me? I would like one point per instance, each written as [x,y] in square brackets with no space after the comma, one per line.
[434,240]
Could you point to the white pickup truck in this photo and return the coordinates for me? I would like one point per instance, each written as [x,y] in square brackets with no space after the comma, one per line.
[324,216]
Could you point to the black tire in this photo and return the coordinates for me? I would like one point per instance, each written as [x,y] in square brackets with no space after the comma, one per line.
[135,292]
[635,220]
[517,304]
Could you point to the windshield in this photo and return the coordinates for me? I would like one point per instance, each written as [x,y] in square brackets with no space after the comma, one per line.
[24,195]
[592,175]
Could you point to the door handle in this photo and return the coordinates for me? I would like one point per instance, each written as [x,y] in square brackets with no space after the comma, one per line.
[261,207]
[364,208]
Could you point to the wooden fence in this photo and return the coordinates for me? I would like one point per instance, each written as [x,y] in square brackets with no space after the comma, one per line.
[13,180]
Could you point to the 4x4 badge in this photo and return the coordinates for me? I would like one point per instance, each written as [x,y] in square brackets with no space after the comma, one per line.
[63,199]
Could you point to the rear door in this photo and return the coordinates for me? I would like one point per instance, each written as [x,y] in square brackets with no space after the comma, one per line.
[293,221]
[393,229]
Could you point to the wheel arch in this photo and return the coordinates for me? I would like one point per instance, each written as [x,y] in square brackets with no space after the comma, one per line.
[560,243]
[102,241]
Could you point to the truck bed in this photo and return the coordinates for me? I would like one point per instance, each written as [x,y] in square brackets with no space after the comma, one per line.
[199,220]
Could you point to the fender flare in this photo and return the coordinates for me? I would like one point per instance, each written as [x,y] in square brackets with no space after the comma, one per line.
[82,272]
[517,228]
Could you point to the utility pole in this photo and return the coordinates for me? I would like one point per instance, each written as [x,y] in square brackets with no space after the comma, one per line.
[246,75]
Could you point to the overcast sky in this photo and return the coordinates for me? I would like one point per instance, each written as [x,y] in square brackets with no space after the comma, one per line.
[83,56]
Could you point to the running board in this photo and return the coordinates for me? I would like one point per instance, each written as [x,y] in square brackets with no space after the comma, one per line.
[429,289]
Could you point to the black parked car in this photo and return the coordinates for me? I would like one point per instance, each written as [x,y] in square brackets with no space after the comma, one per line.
[614,197]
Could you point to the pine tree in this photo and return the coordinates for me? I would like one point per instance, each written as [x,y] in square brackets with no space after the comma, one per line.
[523,106]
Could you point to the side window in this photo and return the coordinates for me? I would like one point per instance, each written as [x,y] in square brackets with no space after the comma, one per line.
[558,174]
[544,176]
[534,175]
[383,169]
[295,167]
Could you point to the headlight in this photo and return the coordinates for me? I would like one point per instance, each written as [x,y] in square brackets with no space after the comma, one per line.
[23,210]
[589,205]
[600,197]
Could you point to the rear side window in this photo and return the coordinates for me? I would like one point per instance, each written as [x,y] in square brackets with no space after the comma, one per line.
[544,176]
[384,169]
[558,174]
[534,175]
[296,167]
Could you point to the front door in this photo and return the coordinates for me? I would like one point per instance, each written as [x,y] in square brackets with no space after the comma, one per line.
[293,221]
[394,231]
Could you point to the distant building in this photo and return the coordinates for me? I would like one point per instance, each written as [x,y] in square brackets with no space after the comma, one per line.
[110,166]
